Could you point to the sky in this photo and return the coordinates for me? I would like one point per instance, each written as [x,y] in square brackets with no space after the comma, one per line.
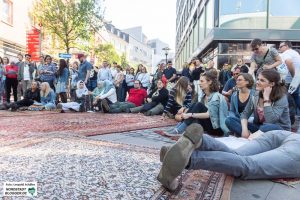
[157,17]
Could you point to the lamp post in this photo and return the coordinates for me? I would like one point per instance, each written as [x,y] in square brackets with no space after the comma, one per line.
[166,49]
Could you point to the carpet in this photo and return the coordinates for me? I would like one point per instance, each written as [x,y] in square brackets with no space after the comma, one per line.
[78,168]
[85,124]
[5,113]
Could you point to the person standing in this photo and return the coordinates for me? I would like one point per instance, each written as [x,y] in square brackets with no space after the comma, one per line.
[62,79]
[74,80]
[170,74]
[25,74]
[224,75]
[47,72]
[84,69]
[263,57]
[104,73]
[292,60]
[11,73]
[20,64]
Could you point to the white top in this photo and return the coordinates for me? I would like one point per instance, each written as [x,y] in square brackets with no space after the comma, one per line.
[144,78]
[26,75]
[295,57]
[113,72]
[111,95]
[104,73]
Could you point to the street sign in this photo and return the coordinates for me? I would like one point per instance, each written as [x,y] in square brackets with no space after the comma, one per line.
[64,55]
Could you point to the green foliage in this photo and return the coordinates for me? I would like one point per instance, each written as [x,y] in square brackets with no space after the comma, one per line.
[72,21]
[124,61]
[107,52]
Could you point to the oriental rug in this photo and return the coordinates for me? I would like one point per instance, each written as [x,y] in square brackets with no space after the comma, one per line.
[67,167]
[84,124]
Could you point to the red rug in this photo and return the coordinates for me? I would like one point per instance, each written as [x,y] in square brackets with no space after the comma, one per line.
[84,124]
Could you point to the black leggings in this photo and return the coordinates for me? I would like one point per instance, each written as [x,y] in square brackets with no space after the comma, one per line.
[24,102]
[11,83]
[205,123]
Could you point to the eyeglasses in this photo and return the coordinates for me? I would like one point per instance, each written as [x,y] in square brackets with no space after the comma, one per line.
[281,46]
[235,74]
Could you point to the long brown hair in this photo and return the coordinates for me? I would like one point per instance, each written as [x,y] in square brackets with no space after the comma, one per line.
[212,75]
[181,89]
[278,90]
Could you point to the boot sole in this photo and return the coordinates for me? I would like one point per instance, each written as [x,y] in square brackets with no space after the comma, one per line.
[194,133]
[163,151]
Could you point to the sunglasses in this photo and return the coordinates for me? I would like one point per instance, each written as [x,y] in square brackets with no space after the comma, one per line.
[281,46]
[255,49]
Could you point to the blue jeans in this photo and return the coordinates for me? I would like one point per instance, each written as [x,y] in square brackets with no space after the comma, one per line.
[296,96]
[235,126]
[275,154]
[92,84]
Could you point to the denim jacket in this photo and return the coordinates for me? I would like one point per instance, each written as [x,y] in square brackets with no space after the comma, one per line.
[218,111]
[50,98]
[234,104]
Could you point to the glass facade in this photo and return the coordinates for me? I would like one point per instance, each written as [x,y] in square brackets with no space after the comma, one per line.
[284,14]
[209,16]
[243,14]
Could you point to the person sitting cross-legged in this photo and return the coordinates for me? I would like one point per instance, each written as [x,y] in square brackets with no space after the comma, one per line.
[271,155]
[31,95]
[155,102]
[211,112]
[137,97]
[48,98]
[82,100]
[104,95]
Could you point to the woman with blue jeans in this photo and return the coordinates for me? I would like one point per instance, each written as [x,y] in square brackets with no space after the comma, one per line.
[269,105]
[274,154]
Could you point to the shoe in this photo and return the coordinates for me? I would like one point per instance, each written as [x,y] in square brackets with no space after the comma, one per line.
[127,110]
[13,107]
[105,106]
[6,105]
[178,156]
[148,113]
[90,111]
[163,151]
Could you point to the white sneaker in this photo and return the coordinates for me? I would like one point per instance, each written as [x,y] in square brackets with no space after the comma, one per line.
[90,111]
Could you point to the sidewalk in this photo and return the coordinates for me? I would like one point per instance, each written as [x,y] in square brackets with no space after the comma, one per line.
[246,190]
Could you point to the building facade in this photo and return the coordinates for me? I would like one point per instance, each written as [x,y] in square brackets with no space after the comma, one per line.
[14,22]
[222,29]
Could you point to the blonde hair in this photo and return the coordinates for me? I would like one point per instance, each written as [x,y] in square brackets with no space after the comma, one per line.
[47,91]
[181,89]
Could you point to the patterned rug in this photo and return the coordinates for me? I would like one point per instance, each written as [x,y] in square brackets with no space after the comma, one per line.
[85,124]
[78,168]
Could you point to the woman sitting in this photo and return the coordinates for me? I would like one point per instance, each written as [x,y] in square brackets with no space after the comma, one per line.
[156,101]
[104,95]
[269,105]
[240,98]
[47,98]
[180,98]
[210,112]
[31,95]
[82,100]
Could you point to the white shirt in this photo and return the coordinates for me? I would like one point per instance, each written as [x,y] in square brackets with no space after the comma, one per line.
[113,72]
[295,57]
[26,75]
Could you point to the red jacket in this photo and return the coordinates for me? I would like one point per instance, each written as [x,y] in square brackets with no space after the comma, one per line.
[137,96]
[11,71]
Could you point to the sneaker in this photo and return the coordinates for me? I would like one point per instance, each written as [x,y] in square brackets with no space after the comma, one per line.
[90,111]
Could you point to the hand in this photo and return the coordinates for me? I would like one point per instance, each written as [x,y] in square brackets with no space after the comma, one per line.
[181,110]
[85,82]
[255,135]
[245,133]
[149,100]
[186,115]
[267,92]
[294,84]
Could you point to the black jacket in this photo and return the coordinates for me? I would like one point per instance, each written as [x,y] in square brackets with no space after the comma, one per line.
[162,97]
[35,96]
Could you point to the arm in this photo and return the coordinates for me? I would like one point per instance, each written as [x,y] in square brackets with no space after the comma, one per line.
[87,76]
[109,93]
[275,64]
[273,112]
[290,66]
[172,78]
[252,67]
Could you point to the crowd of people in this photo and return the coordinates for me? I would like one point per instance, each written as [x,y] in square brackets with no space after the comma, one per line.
[242,100]
[237,100]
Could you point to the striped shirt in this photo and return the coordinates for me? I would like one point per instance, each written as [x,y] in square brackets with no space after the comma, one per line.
[172,104]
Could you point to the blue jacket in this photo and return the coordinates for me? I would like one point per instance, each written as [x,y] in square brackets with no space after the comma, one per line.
[218,111]
[234,104]
[50,98]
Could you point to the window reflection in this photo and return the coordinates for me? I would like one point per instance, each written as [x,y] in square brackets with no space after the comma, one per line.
[243,14]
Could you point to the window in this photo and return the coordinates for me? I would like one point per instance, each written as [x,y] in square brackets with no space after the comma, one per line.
[209,16]
[7,11]
[201,27]
[284,14]
[243,14]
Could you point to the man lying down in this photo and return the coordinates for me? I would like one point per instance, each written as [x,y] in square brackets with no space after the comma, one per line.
[274,154]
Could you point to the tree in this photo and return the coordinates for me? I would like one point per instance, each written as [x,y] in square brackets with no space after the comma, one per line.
[124,62]
[72,21]
[107,52]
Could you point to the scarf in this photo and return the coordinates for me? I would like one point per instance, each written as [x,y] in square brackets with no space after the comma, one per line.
[81,92]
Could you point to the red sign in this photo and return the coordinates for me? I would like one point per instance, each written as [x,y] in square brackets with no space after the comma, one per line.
[33,44]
